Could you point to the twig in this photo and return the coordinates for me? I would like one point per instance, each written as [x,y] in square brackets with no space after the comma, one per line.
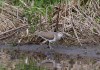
[75,32]
[5,37]
[24,3]
[18,29]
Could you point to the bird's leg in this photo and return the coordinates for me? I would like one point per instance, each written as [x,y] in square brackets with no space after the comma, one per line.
[50,45]
[44,41]
[56,44]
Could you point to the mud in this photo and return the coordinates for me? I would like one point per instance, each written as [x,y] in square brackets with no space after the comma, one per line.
[92,52]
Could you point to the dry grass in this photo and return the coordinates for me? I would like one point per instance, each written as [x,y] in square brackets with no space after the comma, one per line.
[11,24]
[82,23]
[78,21]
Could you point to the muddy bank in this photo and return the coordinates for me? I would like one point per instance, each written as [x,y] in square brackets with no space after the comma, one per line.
[92,52]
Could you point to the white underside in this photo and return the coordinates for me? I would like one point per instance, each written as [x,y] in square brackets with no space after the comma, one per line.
[56,37]
[53,40]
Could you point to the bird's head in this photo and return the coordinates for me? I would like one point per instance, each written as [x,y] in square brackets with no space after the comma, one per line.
[61,35]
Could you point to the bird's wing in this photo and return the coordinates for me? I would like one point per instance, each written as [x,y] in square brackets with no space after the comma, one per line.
[46,35]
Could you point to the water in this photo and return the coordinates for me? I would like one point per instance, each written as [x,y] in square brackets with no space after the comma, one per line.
[93,52]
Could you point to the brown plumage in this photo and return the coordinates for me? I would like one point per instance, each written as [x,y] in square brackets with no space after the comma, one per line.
[45,35]
[50,36]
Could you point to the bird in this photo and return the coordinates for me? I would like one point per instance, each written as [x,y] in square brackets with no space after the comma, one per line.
[50,36]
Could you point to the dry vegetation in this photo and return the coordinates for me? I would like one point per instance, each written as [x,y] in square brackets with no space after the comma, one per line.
[80,21]
[11,25]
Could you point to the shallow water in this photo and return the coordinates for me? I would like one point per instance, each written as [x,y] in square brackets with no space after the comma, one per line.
[72,51]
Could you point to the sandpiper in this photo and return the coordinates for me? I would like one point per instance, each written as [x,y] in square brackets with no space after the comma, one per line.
[50,36]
